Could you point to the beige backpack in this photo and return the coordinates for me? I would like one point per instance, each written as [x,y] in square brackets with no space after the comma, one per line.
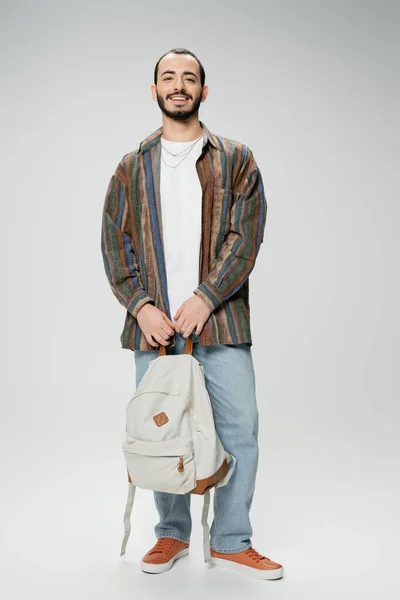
[171,443]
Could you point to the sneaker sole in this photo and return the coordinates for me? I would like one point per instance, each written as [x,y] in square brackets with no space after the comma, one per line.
[161,568]
[251,571]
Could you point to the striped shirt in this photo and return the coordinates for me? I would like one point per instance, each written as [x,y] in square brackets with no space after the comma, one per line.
[234,211]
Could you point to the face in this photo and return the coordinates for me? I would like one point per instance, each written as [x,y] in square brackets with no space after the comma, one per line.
[179,75]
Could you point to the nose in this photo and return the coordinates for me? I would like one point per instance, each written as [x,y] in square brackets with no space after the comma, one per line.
[179,88]
[179,83]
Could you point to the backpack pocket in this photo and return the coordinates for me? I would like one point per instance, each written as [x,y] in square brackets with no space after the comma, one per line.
[165,466]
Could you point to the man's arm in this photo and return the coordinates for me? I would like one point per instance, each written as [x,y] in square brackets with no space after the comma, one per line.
[238,253]
[117,248]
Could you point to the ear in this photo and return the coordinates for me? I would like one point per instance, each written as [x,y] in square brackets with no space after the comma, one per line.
[153,92]
[204,93]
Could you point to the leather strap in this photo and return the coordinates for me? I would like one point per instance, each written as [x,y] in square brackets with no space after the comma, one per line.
[162,351]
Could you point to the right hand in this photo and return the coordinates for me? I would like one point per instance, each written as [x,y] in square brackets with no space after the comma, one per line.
[155,324]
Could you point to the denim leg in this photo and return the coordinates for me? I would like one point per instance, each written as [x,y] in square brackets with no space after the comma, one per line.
[230,382]
[173,509]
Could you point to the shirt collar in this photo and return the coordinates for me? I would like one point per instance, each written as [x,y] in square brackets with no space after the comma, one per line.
[154,138]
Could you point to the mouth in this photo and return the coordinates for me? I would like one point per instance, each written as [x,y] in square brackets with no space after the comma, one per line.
[179,99]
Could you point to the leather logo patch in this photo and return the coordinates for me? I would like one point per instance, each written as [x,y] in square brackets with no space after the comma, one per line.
[161,419]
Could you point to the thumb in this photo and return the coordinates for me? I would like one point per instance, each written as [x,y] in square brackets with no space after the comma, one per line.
[170,323]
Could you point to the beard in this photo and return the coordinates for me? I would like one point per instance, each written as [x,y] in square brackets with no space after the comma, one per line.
[179,113]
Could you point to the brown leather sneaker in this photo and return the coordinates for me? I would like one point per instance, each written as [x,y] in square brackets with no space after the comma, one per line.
[249,562]
[162,556]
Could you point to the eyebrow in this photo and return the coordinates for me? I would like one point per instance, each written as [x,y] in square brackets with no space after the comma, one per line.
[184,72]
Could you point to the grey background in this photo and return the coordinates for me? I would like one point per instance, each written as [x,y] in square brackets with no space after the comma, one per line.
[312,88]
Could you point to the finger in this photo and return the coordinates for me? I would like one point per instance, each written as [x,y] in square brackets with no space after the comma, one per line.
[185,324]
[167,320]
[164,335]
[180,325]
[160,339]
[168,330]
[150,340]
[189,330]
[178,312]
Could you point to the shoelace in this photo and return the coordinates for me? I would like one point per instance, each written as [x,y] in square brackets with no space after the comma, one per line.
[256,555]
[163,545]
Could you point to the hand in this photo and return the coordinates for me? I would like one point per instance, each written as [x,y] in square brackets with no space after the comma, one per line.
[155,324]
[192,313]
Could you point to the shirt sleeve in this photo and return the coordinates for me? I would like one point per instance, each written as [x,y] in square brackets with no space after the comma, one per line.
[117,247]
[238,253]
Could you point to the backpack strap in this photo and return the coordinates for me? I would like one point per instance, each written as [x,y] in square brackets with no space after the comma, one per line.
[127,516]
[206,506]
[204,521]
[206,529]
[229,474]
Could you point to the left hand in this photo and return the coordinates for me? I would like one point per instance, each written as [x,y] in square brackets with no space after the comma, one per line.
[192,313]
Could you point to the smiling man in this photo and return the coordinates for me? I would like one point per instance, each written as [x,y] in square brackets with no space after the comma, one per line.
[183,222]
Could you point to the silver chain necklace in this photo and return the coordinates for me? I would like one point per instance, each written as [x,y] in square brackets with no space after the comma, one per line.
[187,150]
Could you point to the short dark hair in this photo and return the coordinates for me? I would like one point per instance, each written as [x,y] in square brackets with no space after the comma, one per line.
[181,51]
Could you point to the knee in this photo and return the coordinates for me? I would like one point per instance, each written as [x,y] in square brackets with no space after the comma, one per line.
[239,427]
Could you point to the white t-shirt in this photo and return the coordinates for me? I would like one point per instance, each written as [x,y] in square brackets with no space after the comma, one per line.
[181,203]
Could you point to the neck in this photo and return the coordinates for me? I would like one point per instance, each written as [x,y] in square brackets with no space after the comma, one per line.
[181,131]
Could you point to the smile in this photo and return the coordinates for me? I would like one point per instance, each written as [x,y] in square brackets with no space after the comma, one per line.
[179,99]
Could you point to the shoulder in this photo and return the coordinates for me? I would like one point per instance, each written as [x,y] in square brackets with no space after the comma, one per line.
[229,145]
[129,158]
[126,165]
[235,150]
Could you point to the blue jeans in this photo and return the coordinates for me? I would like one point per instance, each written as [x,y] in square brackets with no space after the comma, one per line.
[230,382]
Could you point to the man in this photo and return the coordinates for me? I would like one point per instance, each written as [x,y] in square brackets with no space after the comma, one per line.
[183,221]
